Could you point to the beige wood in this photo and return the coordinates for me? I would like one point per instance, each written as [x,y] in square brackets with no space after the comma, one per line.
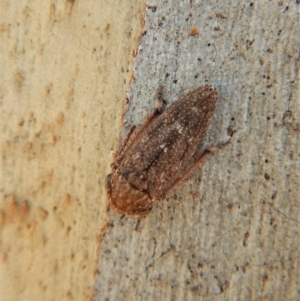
[65,67]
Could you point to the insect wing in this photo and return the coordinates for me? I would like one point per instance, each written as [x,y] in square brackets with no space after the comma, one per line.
[166,147]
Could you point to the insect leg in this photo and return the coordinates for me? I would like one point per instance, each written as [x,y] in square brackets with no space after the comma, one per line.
[125,143]
[195,165]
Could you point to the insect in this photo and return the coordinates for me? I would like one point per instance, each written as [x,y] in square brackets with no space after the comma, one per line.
[161,153]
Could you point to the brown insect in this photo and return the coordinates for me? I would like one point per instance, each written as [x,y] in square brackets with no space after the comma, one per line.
[161,153]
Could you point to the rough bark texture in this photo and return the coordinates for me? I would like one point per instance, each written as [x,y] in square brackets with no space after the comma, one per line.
[231,232]
[65,68]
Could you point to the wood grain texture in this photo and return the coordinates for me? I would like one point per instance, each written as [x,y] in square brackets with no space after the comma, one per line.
[231,232]
[65,67]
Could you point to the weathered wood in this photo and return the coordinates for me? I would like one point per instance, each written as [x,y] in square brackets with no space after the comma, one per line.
[231,232]
[65,68]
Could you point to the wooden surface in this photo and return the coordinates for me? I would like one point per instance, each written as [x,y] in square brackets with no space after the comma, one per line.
[65,67]
[231,232]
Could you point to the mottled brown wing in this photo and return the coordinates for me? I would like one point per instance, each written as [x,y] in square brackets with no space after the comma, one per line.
[161,154]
